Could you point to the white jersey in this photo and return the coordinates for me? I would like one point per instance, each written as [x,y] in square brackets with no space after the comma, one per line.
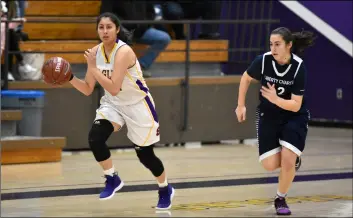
[134,87]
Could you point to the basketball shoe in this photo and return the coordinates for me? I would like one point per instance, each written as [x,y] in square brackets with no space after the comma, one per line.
[112,185]
[166,195]
[281,206]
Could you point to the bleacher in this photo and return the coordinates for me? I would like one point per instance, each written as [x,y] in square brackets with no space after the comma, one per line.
[72,36]
[164,57]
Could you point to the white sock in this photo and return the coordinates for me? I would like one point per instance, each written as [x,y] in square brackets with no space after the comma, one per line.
[109,172]
[279,194]
[164,184]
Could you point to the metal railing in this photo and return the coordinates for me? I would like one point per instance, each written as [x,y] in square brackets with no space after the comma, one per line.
[185,82]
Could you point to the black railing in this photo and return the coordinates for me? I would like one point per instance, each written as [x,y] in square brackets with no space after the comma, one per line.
[185,82]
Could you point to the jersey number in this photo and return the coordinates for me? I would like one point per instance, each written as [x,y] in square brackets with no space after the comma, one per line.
[280,90]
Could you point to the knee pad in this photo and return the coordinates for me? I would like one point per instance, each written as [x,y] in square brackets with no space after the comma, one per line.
[149,159]
[97,137]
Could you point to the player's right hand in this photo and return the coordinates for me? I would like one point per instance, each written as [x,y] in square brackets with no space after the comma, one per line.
[241,113]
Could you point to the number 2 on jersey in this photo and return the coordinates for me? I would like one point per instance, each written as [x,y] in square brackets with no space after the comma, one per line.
[281,90]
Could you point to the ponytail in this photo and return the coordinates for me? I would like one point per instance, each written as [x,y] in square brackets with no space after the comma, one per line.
[125,35]
[302,40]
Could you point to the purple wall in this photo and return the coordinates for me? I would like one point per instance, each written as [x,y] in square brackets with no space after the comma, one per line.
[325,10]
[328,66]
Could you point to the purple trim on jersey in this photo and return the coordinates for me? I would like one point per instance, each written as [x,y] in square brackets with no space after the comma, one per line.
[139,83]
[148,100]
[153,111]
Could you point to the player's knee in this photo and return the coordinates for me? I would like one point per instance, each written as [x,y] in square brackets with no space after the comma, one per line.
[97,137]
[271,163]
[270,166]
[150,160]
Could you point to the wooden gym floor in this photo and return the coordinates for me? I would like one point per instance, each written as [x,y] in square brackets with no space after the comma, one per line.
[212,180]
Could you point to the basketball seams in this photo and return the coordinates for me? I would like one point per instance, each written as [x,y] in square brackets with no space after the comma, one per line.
[55,74]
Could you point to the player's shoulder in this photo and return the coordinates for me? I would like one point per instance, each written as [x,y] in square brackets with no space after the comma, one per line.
[124,49]
[259,58]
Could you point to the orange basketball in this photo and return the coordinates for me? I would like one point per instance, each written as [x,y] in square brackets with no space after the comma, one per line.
[56,71]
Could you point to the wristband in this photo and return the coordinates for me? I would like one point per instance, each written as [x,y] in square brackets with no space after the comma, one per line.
[72,76]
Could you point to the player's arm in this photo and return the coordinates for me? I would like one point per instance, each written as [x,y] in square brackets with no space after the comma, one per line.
[87,85]
[122,61]
[295,103]
[243,88]
[253,72]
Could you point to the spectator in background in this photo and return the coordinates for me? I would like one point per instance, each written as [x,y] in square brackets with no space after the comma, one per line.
[206,10]
[14,39]
[21,9]
[143,33]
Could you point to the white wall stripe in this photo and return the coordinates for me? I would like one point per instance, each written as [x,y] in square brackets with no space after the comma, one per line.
[324,28]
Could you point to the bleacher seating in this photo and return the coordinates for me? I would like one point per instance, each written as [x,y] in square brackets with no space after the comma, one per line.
[82,45]
[75,36]
[11,115]
[22,149]
[66,8]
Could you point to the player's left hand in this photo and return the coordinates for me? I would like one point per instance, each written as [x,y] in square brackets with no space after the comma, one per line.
[269,93]
[90,56]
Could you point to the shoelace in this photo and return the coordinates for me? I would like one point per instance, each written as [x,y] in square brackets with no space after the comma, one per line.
[162,194]
[281,203]
[106,181]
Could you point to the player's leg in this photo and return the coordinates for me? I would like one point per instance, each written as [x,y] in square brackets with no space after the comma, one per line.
[148,158]
[106,122]
[292,141]
[143,130]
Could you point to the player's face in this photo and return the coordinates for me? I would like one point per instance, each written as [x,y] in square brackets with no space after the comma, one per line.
[107,30]
[279,49]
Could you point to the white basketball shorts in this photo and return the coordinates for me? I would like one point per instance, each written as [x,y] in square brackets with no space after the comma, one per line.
[141,120]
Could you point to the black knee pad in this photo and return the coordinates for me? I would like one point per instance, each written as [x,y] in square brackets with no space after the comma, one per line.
[149,159]
[98,135]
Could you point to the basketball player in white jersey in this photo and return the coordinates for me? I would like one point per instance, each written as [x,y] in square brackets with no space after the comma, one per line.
[282,116]
[126,101]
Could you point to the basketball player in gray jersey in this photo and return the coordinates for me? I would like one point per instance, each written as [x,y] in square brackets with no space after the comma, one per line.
[127,100]
[282,116]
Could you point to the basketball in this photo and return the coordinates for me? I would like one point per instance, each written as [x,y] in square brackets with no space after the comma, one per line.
[56,71]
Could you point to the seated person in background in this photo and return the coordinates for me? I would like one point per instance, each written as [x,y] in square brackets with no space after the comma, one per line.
[21,9]
[181,9]
[143,33]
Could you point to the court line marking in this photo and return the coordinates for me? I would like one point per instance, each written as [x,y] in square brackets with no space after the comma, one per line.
[347,169]
[180,185]
[255,202]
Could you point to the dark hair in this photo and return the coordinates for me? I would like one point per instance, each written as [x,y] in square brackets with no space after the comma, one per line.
[123,34]
[300,40]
